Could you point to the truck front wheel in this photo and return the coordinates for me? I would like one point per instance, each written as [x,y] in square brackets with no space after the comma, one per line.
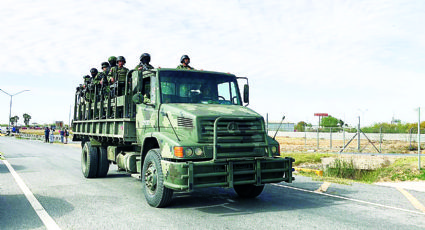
[156,194]
[89,160]
[248,190]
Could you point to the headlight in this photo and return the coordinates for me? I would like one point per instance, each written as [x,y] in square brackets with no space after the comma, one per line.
[198,152]
[188,152]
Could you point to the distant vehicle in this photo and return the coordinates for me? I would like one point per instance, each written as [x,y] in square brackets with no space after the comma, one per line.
[179,130]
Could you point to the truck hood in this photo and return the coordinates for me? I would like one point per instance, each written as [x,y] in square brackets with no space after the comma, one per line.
[209,110]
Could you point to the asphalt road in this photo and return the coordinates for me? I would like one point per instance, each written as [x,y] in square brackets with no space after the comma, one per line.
[52,173]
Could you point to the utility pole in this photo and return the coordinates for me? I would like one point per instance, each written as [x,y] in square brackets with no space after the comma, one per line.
[10,108]
[419,138]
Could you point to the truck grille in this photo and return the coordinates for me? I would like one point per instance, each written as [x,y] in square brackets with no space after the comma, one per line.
[233,131]
[243,137]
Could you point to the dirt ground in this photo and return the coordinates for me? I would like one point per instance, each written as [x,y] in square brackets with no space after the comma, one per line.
[291,144]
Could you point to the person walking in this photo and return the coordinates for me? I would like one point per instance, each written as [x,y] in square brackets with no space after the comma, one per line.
[52,136]
[61,132]
[46,134]
[66,134]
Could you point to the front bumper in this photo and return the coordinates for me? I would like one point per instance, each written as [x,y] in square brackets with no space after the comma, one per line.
[186,176]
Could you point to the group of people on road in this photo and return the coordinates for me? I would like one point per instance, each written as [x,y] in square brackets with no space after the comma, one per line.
[49,135]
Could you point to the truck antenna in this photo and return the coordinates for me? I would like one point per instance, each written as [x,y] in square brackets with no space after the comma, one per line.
[166,114]
[283,118]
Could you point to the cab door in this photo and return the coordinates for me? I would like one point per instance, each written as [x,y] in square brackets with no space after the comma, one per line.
[147,112]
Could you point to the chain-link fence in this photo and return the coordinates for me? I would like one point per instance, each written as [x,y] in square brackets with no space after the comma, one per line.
[348,139]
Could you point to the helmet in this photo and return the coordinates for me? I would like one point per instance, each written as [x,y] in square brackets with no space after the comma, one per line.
[121,58]
[184,57]
[93,71]
[85,77]
[112,59]
[105,64]
[145,58]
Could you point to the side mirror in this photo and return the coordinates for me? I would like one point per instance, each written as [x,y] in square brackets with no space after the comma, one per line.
[246,93]
[138,98]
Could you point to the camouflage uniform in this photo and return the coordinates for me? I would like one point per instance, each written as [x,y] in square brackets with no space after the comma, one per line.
[119,75]
[143,67]
[185,67]
[86,88]
[103,78]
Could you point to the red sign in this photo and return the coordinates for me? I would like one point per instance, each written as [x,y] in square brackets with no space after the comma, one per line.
[321,114]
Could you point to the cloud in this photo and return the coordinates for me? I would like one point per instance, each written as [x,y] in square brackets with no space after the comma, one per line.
[334,55]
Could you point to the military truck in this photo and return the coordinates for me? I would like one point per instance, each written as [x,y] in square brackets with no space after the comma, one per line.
[179,130]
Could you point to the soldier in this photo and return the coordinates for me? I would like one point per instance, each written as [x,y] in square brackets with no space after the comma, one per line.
[185,60]
[87,95]
[117,77]
[145,58]
[95,81]
[103,77]
[112,61]
[105,67]
[86,86]
[118,74]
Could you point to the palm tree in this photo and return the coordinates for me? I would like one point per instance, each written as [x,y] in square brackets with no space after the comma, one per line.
[27,118]
[14,120]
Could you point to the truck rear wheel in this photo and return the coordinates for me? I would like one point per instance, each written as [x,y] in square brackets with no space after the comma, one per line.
[248,190]
[156,194]
[89,160]
[103,167]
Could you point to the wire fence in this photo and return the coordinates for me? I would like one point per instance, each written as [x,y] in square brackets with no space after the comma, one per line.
[348,139]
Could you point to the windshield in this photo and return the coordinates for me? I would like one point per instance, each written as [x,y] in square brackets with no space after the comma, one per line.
[196,87]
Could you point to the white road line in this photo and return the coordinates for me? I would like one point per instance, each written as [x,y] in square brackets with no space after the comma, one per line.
[38,208]
[350,199]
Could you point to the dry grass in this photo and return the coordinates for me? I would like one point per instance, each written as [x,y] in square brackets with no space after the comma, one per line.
[36,132]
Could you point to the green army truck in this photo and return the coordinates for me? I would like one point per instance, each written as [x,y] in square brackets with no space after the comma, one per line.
[180,130]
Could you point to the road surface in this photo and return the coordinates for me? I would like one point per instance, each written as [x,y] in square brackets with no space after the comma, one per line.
[64,199]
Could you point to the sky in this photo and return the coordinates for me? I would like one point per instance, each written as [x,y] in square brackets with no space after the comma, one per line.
[345,58]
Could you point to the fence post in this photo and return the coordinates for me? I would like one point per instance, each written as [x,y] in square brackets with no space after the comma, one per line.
[305,136]
[317,137]
[330,139]
[358,136]
[380,139]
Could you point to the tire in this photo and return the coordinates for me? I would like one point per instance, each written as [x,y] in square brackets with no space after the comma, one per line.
[103,166]
[248,190]
[156,194]
[89,160]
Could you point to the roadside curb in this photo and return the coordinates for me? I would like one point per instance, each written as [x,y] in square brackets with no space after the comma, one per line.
[317,172]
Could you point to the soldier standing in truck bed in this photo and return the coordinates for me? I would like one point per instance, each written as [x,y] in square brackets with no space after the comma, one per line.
[112,62]
[105,68]
[185,60]
[118,74]
[86,88]
[145,58]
